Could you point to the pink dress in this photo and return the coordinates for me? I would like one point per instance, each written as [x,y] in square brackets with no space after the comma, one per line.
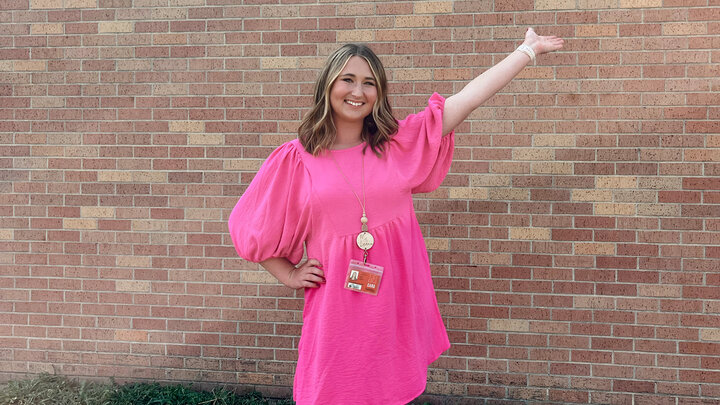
[355,348]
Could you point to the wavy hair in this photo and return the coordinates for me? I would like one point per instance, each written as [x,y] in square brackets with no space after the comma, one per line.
[317,129]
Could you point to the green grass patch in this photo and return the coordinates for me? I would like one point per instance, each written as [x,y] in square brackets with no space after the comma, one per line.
[48,389]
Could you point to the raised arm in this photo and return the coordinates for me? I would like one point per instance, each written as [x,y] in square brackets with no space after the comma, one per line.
[460,105]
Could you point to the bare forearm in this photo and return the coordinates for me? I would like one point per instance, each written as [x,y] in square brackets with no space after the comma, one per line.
[279,267]
[459,106]
[480,89]
[308,275]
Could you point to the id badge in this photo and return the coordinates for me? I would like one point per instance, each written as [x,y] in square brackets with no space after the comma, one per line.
[363,277]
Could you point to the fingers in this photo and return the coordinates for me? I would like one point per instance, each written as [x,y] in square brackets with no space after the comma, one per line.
[310,274]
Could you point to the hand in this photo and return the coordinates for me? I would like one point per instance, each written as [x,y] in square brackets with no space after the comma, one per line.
[308,275]
[542,44]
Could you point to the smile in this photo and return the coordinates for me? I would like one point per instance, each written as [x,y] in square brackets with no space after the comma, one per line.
[353,103]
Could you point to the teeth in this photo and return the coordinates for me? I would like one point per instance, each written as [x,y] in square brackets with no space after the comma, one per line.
[353,103]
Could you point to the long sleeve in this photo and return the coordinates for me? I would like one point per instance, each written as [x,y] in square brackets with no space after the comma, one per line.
[423,153]
[271,219]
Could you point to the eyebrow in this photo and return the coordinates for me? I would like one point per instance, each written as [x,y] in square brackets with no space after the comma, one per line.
[351,74]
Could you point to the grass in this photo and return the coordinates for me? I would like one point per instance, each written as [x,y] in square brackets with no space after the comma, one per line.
[46,389]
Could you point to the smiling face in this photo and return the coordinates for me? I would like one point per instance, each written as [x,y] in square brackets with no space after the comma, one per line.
[354,92]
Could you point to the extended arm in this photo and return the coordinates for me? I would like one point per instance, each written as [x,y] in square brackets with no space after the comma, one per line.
[460,105]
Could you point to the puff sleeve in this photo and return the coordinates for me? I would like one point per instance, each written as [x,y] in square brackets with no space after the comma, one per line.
[424,155]
[271,219]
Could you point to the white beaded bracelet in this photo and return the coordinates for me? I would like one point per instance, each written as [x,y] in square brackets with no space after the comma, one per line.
[527,51]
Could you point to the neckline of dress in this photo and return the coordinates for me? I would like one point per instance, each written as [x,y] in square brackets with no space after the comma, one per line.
[360,145]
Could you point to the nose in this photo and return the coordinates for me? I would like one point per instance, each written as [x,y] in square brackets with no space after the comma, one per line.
[357,90]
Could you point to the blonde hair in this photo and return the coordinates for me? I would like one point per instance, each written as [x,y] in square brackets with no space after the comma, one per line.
[317,129]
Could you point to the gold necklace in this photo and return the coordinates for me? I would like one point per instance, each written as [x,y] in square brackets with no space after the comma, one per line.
[364,239]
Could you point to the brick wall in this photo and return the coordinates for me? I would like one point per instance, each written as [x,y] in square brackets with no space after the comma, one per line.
[574,244]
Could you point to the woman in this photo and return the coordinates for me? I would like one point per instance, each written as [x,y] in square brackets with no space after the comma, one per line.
[343,190]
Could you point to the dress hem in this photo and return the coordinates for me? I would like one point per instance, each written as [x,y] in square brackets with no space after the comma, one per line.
[424,387]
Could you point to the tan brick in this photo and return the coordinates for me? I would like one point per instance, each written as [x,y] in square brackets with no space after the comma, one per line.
[412,74]
[554,140]
[490,180]
[684,28]
[356,36]
[47,102]
[392,36]
[114,176]
[713,141]
[554,4]
[30,65]
[6,234]
[258,277]
[80,3]
[437,243]
[509,325]
[132,285]
[252,165]
[39,368]
[634,196]
[702,155]
[596,30]
[169,39]
[7,257]
[129,335]
[659,210]
[173,89]
[712,335]
[470,193]
[206,139]
[243,88]
[530,233]
[169,13]
[551,168]
[276,11]
[180,3]
[148,225]
[410,21]
[133,261]
[203,213]
[76,223]
[613,182]
[279,63]
[614,209]
[312,63]
[133,65]
[480,258]
[533,154]
[64,139]
[596,4]
[660,183]
[593,302]
[187,126]
[534,72]
[591,195]
[585,248]
[97,212]
[149,177]
[512,194]
[6,66]
[433,7]
[81,151]
[46,29]
[167,238]
[115,26]
[655,290]
[640,3]
[38,4]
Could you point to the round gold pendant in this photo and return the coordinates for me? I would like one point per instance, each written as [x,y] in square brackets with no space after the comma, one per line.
[365,240]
